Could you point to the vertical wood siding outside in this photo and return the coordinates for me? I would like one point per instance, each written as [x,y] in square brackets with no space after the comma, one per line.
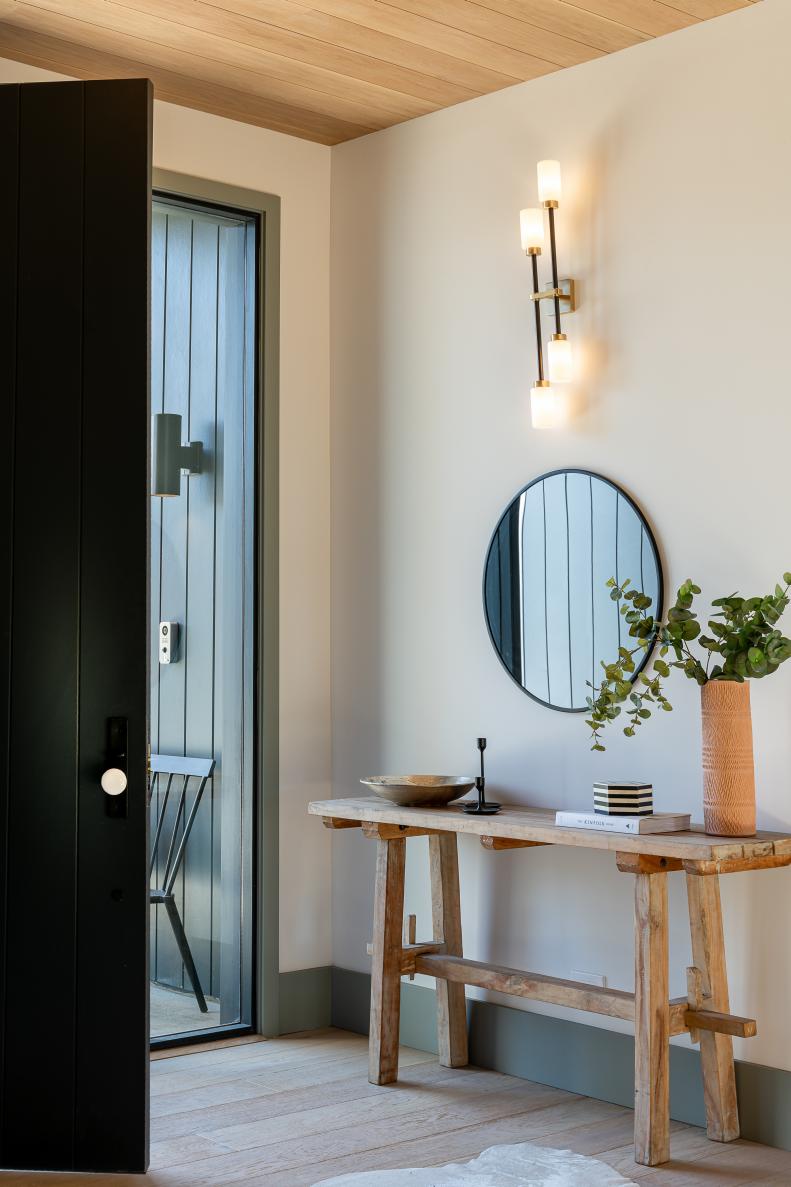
[200,567]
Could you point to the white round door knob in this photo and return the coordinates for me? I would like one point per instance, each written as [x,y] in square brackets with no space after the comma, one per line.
[114,781]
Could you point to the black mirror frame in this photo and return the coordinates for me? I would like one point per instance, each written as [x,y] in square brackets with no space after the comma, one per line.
[660,602]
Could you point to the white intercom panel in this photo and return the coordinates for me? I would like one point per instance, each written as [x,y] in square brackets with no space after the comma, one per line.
[169,633]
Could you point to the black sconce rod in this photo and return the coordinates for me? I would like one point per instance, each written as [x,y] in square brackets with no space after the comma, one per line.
[537,307]
[554,255]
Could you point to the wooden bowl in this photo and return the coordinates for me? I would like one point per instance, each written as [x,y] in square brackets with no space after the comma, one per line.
[419,791]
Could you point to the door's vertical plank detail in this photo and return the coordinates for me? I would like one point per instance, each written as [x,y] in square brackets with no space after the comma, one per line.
[111,1115]
[9,248]
[74,924]
[651,1021]
[386,962]
[716,1050]
[446,916]
[44,637]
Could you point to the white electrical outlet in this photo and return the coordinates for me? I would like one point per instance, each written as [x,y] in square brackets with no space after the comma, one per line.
[589,978]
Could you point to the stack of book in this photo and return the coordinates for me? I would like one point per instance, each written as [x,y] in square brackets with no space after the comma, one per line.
[659,822]
[624,808]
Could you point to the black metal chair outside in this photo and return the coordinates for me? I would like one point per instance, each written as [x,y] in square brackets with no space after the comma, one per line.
[175,766]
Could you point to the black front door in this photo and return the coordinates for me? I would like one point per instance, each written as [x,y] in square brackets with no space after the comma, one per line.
[75,200]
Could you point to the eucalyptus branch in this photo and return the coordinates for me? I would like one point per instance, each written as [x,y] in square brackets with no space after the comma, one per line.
[746,639]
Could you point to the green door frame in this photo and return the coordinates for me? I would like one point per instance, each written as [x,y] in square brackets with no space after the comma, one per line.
[266,946]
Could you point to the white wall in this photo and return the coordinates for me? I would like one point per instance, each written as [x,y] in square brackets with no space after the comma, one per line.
[677,188]
[207,146]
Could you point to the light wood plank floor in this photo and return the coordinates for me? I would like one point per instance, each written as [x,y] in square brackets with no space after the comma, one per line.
[288,1112]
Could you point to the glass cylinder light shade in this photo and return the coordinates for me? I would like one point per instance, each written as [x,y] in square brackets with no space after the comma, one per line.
[547,408]
[531,224]
[559,359]
[549,181]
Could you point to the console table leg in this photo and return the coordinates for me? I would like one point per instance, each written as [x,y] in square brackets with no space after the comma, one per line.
[386,965]
[446,915]
[716,1050]
[652,1022]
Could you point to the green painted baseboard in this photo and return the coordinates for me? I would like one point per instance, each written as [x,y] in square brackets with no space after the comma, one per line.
[570,1055]
[305,1000]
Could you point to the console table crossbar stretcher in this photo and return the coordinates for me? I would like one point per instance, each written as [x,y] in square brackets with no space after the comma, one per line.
[704,1013]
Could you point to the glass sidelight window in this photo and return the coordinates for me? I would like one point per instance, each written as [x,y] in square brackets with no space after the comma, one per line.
[203,330]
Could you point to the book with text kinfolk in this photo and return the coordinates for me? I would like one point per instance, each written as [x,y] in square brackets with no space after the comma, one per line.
[661,822]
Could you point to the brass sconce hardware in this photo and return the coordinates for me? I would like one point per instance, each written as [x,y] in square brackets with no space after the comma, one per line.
[566,292]
[546,406]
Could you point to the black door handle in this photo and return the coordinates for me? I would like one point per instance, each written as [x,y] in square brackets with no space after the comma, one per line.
[114,778]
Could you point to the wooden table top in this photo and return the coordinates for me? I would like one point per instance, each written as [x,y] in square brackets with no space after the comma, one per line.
[538,824]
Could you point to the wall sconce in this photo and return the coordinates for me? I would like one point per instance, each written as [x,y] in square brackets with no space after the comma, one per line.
[547,407]
[171,458]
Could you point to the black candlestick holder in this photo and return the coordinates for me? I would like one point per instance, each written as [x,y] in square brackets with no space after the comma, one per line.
[482,807]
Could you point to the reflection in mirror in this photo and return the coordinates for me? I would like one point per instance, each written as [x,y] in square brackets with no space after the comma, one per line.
[548,608]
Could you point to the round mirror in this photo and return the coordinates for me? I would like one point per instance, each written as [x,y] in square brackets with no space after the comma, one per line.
[548,607]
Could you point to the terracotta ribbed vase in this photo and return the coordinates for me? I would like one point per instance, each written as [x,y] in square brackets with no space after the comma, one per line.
[728,768]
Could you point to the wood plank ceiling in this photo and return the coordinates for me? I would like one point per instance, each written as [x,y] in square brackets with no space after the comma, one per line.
[331,70]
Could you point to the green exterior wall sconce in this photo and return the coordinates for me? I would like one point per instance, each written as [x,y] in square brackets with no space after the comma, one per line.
[171,458]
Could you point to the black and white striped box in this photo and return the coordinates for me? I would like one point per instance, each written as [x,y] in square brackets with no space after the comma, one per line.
[623,799]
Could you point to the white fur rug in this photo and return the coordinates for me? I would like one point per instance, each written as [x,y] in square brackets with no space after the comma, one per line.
[523,1165]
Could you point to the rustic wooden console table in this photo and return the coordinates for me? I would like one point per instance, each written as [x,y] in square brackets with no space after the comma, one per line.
[704,1013]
